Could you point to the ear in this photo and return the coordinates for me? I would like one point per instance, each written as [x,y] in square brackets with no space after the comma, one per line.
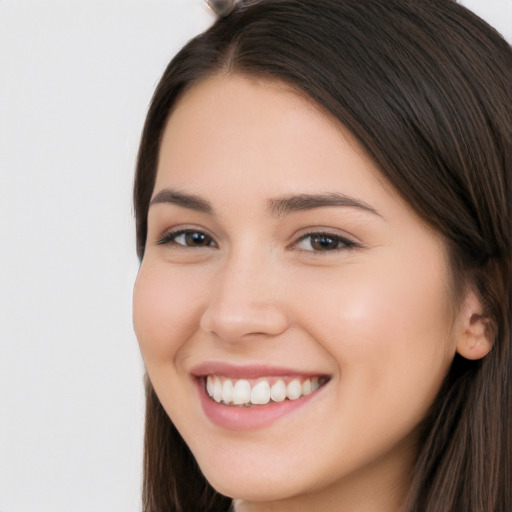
[474,336]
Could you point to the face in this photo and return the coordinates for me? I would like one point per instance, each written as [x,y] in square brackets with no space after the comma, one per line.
[293,313]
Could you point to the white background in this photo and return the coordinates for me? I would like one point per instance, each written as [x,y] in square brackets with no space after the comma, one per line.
[76,77]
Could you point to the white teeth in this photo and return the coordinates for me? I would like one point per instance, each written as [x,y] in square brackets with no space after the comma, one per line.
[209,385]
[217,390]
[240,392]
[227,391]
[278,391]
[260,394]
[294,390]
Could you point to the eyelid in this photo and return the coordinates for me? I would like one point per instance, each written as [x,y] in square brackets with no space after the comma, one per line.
[347,241]
[171,233]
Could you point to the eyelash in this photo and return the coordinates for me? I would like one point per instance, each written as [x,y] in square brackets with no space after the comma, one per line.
[171,236]
[341,242]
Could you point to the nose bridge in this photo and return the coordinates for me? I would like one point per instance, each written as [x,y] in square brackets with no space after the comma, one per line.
[244,298]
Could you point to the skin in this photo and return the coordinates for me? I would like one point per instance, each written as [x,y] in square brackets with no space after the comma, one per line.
[377,317]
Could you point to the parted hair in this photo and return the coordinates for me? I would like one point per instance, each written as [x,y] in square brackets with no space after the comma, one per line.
[425,87]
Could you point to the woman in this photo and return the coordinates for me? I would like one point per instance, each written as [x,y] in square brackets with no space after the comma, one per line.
[323,220]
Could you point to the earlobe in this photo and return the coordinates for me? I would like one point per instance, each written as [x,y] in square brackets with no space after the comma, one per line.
[474,340]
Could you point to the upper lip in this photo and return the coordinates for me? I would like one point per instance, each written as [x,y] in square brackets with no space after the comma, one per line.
[247,371]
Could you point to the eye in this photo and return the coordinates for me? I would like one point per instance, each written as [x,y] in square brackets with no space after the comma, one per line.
[324,242]
[187,238]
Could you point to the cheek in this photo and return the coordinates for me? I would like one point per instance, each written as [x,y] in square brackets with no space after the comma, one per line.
[165,308]
[388,328]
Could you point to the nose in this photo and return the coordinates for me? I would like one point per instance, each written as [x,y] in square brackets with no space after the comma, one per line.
[245,299]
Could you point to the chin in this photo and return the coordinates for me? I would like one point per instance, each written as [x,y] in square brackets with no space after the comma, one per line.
[255,488]
[251,481]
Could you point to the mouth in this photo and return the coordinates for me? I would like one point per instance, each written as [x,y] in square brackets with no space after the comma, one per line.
[248,398]
[261,391]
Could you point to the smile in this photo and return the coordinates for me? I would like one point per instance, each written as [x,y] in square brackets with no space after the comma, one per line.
[262,391]
[254,396]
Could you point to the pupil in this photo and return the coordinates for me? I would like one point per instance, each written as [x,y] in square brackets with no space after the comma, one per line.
[196,239]
[322,243]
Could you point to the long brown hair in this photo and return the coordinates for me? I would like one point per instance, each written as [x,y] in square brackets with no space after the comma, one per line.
[425,88]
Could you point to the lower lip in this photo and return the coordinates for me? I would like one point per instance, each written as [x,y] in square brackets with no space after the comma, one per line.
[249,418]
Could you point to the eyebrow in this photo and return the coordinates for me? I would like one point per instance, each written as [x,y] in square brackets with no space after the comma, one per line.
[278,207]
[190,201]
[296,203]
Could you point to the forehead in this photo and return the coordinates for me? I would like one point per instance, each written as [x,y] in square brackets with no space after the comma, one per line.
[248,128]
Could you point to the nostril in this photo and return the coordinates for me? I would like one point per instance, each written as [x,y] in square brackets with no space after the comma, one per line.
[243,321]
